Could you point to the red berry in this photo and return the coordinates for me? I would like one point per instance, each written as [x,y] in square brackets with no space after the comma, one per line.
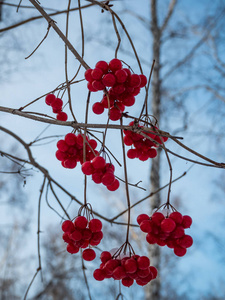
[95,225]
[130,265]
[152,153]
[91,88]
[114,114]
[114,186]
[61,155]
[121,76]
[57,103]
[86,234]
[99,274]
[81,222]
[109,79]
[157,218]
[49,99]
[178,232]
[143,157]
[132,153]
[70,163]
[72,248]
[98,85]
[96,73]
[97,236]
[129,101]
[93,144]
[115,64]
[168,225]
[66,238]
[134,80]
[97,177]
[70,139]
[76,235]
[98,162]
[143,273]
[186,241]
[153,271]
[176,216]
[143,80]
[150,238]
[87,168]
[186,222]
[127,140]
[108,178]
[62,145]
[110,265]
[142,217]
[102,65]
[98,108]
[105,256]
[127,281]
[67,226]
[119,273]
[88,254]
[180,251]
[143,262]
[118,89]
[146,226]
[62,116]
[88,75]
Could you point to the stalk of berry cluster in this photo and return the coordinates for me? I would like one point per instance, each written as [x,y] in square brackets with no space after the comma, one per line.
[126,185]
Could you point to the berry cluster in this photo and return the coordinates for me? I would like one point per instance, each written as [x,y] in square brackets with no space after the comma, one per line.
[127,269]
[101,172]
[122,87]
[82,234]
[144,148]
[56,104]
[70,150]
[169,230]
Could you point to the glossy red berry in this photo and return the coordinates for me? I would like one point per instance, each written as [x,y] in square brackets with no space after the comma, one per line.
[87,168]
[168,225]
[70,139]
[98,162]
[109,80]
[143,80]
[89,254]
[88,75]
[72,248]
[95,225]
[127,281]
[143,262]
[115,64]
[99,274]
[81,222]
[105,256]
[114,114]
[98,108]
[180,251]
[96,73]
[102,65]
[186,222]
[67,226]
[142,217]
[114,186]
[49,99]
[62,116]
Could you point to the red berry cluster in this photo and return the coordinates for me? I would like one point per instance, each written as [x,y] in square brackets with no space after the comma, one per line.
[101,172]
[127,269]
[143,147]
[56,104]
[70,150]
[82,234]
[122,86]
[169,231]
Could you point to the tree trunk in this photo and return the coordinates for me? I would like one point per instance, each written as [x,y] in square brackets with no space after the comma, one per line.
[153,290]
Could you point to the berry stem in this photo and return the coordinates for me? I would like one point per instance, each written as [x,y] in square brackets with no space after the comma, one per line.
[126,182]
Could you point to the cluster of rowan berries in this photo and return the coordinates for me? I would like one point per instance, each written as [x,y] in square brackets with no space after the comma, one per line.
[82,234]
[122,87]
[101,172]
[70,150]
[56,104]
[167,230]
[144,148]
[125,268]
